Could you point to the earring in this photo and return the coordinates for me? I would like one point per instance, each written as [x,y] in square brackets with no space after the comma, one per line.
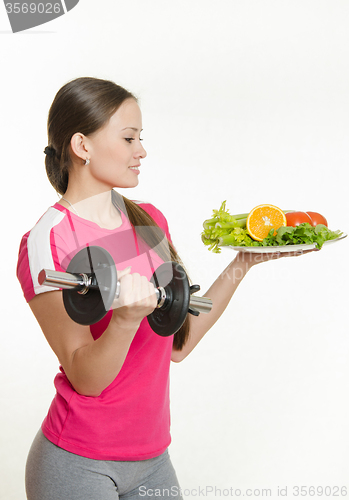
[87,161]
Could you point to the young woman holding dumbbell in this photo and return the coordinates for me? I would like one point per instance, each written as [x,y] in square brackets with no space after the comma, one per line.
[107,431]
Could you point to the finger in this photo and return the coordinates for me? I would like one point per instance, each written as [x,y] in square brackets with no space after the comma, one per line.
[124,288]
[124,272]
[297,253]
[148,296]
[146,288]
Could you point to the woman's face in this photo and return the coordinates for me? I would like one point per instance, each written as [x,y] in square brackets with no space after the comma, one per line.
[116,149]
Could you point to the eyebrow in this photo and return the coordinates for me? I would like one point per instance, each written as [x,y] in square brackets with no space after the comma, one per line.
[132,128]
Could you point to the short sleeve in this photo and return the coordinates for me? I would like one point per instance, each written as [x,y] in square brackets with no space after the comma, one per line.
[37,252]
[158,217]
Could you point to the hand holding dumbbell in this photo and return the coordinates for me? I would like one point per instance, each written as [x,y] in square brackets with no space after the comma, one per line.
[90,287]
[135,296]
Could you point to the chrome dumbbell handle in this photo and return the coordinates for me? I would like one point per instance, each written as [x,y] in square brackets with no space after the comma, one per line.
[69,281]
[64,280]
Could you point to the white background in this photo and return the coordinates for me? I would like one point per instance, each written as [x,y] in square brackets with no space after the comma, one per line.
[245,101]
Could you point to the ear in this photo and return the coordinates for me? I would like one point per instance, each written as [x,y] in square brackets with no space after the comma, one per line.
[79,145]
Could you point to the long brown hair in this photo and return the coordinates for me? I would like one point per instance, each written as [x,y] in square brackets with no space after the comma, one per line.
[84,105]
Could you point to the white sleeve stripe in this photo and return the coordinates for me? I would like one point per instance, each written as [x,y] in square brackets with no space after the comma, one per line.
[39,247]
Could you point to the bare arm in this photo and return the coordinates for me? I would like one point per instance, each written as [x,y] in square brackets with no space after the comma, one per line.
[221,293]
[91,365]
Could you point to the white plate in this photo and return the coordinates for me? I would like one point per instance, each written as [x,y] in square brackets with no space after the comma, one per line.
[282,248]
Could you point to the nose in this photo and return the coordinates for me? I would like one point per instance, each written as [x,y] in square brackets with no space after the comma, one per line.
[140,151]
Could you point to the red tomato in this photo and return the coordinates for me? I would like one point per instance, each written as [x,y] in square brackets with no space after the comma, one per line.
[296,218]
[317,219]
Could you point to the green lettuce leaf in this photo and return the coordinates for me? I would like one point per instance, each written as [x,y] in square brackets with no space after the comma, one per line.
[304,234]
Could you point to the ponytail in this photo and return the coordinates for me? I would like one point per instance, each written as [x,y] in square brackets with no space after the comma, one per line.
[56,172]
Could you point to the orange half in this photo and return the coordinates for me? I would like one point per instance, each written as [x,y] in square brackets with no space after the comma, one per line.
[262,219]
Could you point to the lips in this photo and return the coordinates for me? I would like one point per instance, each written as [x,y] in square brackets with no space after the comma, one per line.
[135,169]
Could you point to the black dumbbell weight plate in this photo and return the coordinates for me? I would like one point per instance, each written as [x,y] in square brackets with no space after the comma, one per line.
[91,307]
[168,319]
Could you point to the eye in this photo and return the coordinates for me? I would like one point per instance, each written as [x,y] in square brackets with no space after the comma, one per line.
[130,139]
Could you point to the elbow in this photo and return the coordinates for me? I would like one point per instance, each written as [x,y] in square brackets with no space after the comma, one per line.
[90,395]
[177,356]
[85,386]
[86,391]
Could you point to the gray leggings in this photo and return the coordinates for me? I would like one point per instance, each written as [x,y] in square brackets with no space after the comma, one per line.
[55,474]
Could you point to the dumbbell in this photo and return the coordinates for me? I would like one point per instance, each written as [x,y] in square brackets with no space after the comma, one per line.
[90,286]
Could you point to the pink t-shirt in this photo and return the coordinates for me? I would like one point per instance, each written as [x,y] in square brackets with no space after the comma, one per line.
[130,420]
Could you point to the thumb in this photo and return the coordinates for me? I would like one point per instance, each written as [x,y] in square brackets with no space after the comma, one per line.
[123,272]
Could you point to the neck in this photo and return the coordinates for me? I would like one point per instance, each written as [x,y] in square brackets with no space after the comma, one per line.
[96,208]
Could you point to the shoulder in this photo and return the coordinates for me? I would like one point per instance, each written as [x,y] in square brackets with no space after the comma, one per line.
[39,236]
[154,212]
[156,215]
[37,251]
[50,220]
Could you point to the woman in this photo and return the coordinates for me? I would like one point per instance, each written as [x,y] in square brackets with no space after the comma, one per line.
[108,428]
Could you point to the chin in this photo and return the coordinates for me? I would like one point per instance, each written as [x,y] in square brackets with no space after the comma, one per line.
[127,185]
